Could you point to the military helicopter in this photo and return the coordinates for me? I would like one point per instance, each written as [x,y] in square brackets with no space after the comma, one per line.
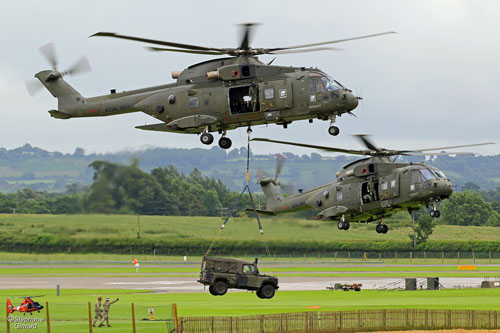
[366,190]
[217,95]
[27,306]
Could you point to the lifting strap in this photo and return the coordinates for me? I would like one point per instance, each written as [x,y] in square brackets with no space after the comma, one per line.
[246,188]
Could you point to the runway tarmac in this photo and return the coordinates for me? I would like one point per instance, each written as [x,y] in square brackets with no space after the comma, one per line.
[189,284]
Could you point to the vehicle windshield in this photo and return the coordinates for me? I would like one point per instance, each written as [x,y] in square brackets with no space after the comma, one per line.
[249,269]
[427,174]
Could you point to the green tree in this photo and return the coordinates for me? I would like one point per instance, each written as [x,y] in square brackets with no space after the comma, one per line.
[467,208]
[424,227]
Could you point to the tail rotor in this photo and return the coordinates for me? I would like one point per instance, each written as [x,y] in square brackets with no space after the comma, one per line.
[49,53]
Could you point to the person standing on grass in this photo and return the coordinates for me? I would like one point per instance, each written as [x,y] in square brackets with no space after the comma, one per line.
[105,315]
[97,311]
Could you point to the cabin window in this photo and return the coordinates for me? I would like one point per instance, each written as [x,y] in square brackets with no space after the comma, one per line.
[269,93]
[312,85]
[383,186]
[326,194]
[393,183]
[282,93]
[339,195]
[194,103]
[171,99]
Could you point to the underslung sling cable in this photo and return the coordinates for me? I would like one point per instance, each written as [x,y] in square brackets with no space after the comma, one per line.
[247,187]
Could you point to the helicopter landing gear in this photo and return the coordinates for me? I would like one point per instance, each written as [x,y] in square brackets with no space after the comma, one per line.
[333,130]
[225,143]
[435,212]
[381,228]
[206,138]
[343,224]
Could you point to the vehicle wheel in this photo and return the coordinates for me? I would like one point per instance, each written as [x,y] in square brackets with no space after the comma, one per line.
[267,291]
[259,294]
[333,130]
[212,291]
[347,225]
[432,213]
[379,228]
[340,225]
[225,143]
[220,288]
[385,228]
[437,214]
[207,138]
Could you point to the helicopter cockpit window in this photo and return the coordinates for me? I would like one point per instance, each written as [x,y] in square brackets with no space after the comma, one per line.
[427,174]
[329,83]
[415,176]
[439,174]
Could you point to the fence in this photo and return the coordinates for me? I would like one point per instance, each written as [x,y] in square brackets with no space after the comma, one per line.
[70,317]
[345,321]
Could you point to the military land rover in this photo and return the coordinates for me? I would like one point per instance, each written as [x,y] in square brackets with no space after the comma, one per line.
[223,273]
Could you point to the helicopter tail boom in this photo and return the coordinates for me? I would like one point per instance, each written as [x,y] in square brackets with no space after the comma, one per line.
[273,195]
[10,308]
[66,95]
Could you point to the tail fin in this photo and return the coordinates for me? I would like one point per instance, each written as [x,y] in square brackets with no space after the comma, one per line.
[66,95]
[10,308]
[273,195]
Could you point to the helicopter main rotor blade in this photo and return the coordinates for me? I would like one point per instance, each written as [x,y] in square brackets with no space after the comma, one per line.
[49,52]
[449,147]
[246,35]
[329,42]
[158,42]
[329,149]
[368,143]
[436,154]
[161,49]
[307,50]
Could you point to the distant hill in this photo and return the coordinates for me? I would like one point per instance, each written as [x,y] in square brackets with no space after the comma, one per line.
[41,170]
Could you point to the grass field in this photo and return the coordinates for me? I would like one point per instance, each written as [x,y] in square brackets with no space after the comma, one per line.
[69,312]
[276,228]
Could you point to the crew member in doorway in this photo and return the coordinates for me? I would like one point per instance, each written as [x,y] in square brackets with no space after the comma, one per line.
[253,92]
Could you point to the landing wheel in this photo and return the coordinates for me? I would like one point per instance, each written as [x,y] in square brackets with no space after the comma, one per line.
[381,228]
[225,143]
[207,138]
[435,213]
[340,225]
[347,225]
[333,130]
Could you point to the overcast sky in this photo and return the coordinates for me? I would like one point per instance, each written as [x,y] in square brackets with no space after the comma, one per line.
[435,83]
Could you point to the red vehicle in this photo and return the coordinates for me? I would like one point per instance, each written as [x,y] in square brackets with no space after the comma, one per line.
[28,305]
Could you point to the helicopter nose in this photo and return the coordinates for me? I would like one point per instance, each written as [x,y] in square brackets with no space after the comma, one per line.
[352,101]
[444,188]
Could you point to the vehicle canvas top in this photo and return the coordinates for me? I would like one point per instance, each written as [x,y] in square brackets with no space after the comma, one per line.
[223,265]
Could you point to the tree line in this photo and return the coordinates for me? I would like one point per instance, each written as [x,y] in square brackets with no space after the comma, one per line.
[126,189]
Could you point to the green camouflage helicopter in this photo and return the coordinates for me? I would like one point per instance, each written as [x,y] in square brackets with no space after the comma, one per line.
[215,95]
[366,190]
